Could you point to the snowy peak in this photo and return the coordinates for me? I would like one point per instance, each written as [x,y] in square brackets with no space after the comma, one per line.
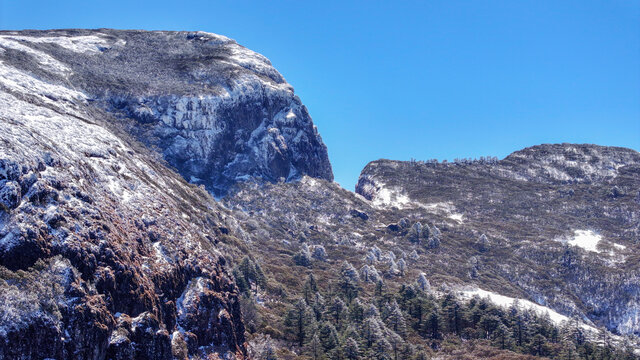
[216,111]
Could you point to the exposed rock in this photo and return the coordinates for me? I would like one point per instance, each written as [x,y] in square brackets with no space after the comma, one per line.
[94,228]
[218,112]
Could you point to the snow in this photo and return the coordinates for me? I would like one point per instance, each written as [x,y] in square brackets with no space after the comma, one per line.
[619,247]
[159,252]
[47,61]
[444,208]
[387,196]
[585,239]
[79,44]
[506,301]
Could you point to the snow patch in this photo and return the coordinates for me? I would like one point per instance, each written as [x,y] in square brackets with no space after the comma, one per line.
[506,301]
[47,61]
[386,196]
[619,247]
[79,44]
[444,208]
[585,239]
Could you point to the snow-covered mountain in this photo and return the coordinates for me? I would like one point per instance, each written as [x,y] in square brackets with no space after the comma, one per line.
[217,111]
[105,250]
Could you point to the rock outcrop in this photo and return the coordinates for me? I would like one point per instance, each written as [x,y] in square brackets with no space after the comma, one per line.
[216,111]
[105,252]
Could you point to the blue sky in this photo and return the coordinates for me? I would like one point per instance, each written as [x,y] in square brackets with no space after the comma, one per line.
[423,79]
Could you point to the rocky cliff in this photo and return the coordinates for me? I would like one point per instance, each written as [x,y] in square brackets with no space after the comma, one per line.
[105,251]
[216,111]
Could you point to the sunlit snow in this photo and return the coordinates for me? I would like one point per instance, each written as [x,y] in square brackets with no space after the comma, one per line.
[585,239]
[506,301]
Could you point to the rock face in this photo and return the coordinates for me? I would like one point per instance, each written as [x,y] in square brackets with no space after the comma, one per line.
[105,252]
[565,218]
[217,111]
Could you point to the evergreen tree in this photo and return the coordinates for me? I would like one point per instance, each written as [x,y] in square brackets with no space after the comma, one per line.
[337,311]
[371,330]
[356,311]
[348,281]
[318,305]
[415,233]
[303,257]
[434,239]
[402,267]
[483,243]
[314,348]
[395,319]
[310,287]
[350,349]
[423,283]
[396,343]
[452,313]
[300,321]
[381,349]
[319,253]
[247,273]
[328,336]
[432,325]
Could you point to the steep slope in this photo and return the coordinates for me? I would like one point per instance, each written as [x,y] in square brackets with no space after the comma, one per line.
[562,221]
[217,111]
[105,252]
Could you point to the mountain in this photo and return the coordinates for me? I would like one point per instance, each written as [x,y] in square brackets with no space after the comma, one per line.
[165,195]
[562,221]
[216,111]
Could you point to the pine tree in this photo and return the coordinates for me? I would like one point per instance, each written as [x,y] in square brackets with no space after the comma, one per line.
[371,330]
[395,319]
[328,336]
[314,348]
[502,337]
[348,281]
[356,311]
[350,349]
[300,321]
[414,255]
[381,349]
[319,253]
[432,327]
[423,283]
[247,273]
[402,267]
[310,287]
[318,305]
[483,243]
[337,310]
[303,257]
[434,238]
[452,313]
[415,233]
[396,343]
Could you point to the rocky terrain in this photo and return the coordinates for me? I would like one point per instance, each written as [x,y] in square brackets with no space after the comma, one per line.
[568,215]
[105,250]
[165,195]
[517,228]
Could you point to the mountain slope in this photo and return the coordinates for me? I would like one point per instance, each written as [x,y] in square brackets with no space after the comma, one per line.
[567,214]
[217,111]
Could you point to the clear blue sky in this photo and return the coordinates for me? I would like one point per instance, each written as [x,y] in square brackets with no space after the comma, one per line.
[424,79]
